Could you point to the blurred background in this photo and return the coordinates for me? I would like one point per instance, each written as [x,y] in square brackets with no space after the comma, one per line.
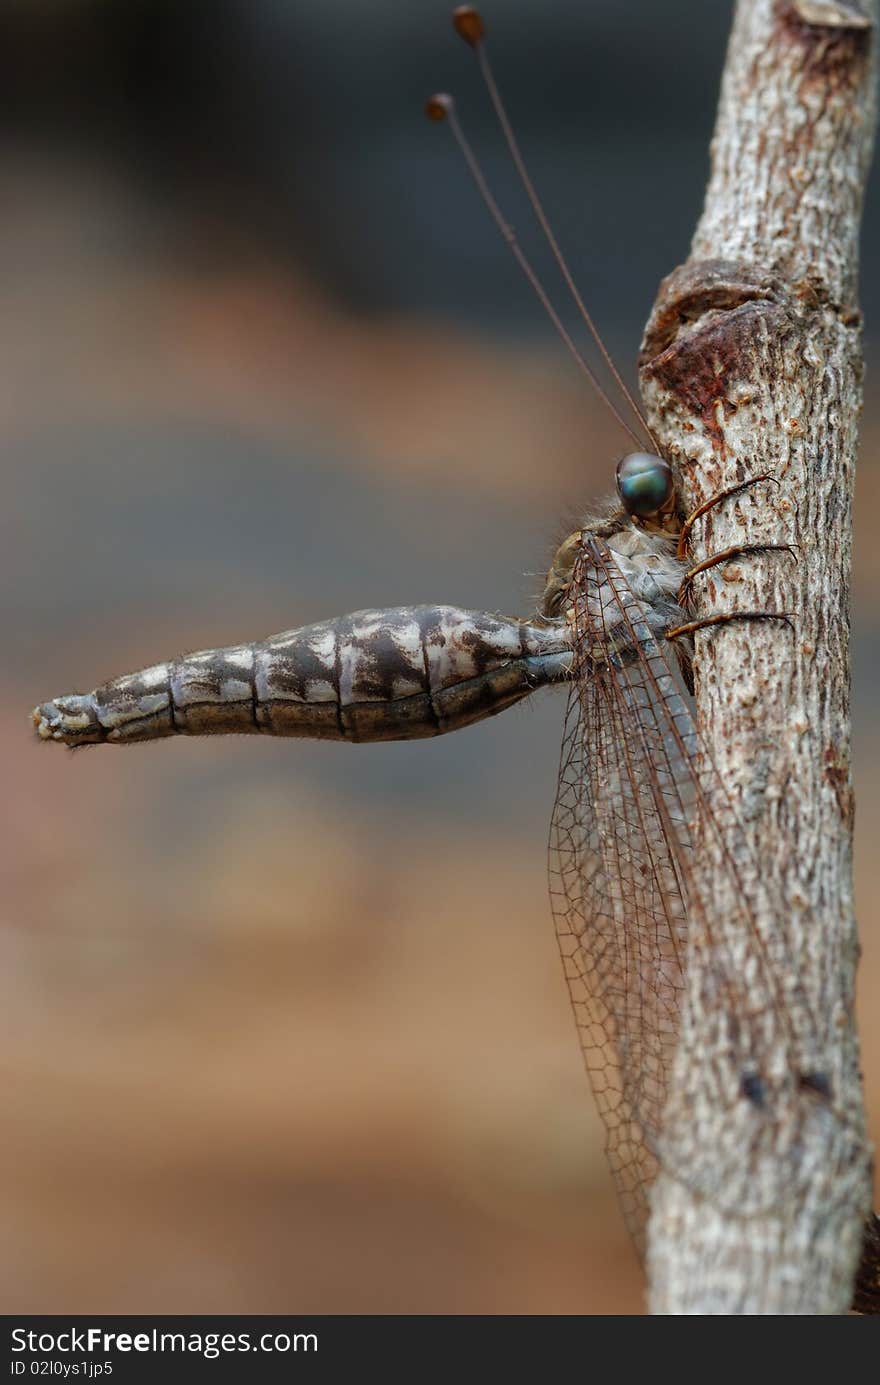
[283,1024]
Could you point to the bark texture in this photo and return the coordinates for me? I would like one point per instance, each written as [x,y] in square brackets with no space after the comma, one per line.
[751,365]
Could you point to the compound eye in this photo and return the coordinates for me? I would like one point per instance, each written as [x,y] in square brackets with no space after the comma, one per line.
[644,484]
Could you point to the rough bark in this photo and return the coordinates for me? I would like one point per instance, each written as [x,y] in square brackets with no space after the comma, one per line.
[752,364]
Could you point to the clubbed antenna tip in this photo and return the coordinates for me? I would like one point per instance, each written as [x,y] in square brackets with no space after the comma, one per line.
[439,106]
[468,24]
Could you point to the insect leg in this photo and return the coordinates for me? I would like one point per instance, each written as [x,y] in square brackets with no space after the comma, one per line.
[736,551]
[723,619]
[714,500]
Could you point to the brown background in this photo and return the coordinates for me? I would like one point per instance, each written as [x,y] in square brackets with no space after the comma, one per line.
[283,1025]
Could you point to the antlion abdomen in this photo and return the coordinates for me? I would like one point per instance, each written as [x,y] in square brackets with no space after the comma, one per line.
[399,674]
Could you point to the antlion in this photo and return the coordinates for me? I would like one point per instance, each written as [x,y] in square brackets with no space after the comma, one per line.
[699,1030]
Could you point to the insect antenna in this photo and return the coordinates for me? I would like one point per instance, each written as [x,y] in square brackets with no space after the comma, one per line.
[440,107]
[469,25]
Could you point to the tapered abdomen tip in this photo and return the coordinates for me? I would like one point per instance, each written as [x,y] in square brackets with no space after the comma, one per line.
[70,720]
[42,722]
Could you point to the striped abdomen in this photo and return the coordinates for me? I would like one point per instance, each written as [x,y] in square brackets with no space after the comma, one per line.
[372,676]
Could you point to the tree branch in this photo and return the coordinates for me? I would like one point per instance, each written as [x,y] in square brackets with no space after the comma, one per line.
[751,364]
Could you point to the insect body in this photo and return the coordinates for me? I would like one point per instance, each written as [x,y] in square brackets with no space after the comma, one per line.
[400,674]
[373,676]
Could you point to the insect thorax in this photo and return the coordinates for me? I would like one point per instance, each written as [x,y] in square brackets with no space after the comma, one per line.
[646,559]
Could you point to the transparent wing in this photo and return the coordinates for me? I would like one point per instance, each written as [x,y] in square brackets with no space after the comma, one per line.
[620,922]
[647,943]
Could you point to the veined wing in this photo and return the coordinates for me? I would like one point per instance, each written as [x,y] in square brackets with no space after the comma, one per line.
[656,897]
[620,920]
